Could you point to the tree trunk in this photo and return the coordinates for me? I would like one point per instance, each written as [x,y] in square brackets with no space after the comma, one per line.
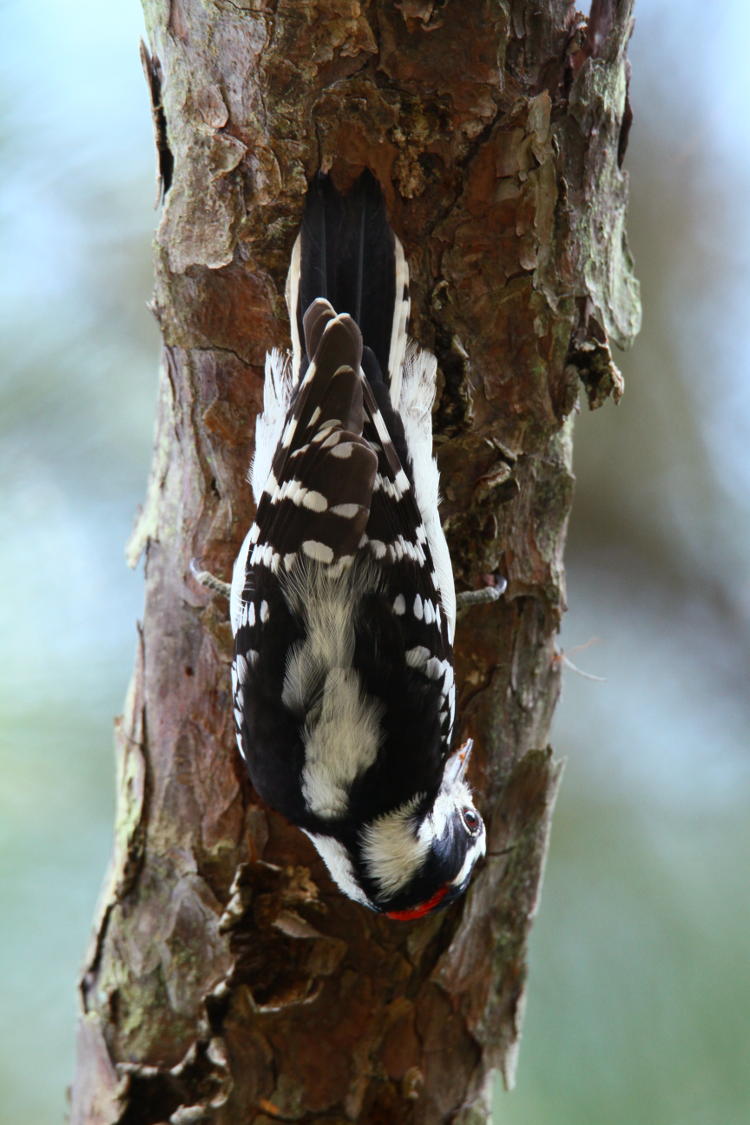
[228,981]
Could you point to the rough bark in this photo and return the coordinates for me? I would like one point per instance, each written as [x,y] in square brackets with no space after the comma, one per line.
[227,980]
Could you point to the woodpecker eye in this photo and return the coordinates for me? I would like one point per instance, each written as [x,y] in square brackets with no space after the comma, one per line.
[472,821]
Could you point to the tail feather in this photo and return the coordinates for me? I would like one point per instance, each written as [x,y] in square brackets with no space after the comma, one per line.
[348,254]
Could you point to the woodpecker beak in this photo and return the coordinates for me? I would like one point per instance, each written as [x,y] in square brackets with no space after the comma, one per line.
[458,763]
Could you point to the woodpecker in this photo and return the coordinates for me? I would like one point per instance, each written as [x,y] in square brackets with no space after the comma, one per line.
[342,599]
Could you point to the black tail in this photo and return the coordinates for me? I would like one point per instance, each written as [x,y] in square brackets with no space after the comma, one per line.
[348,255]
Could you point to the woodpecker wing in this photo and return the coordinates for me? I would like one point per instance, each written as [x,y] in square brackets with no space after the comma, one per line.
[316,501]
[398,542]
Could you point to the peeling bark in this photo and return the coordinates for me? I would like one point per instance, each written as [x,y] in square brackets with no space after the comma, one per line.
[227,981]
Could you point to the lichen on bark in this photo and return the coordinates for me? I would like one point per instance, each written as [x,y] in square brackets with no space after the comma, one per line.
[227,980]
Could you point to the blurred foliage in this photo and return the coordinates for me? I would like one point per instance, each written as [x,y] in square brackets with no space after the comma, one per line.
[639,991]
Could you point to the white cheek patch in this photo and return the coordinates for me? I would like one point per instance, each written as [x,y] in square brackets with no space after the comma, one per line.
[392,849]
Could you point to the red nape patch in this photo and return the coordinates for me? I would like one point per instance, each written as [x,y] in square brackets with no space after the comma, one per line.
[421,910]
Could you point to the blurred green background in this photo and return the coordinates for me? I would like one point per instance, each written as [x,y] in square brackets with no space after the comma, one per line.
[639,991]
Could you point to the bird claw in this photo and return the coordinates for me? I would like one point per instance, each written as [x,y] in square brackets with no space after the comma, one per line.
[482,596]
[208,580]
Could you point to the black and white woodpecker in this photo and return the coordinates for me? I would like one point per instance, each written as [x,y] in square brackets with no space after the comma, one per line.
[342,601]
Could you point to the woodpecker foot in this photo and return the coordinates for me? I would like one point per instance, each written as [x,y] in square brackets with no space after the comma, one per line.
[482,596]
[208,580]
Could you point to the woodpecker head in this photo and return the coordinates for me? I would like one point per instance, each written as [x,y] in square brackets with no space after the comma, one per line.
[414,859]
